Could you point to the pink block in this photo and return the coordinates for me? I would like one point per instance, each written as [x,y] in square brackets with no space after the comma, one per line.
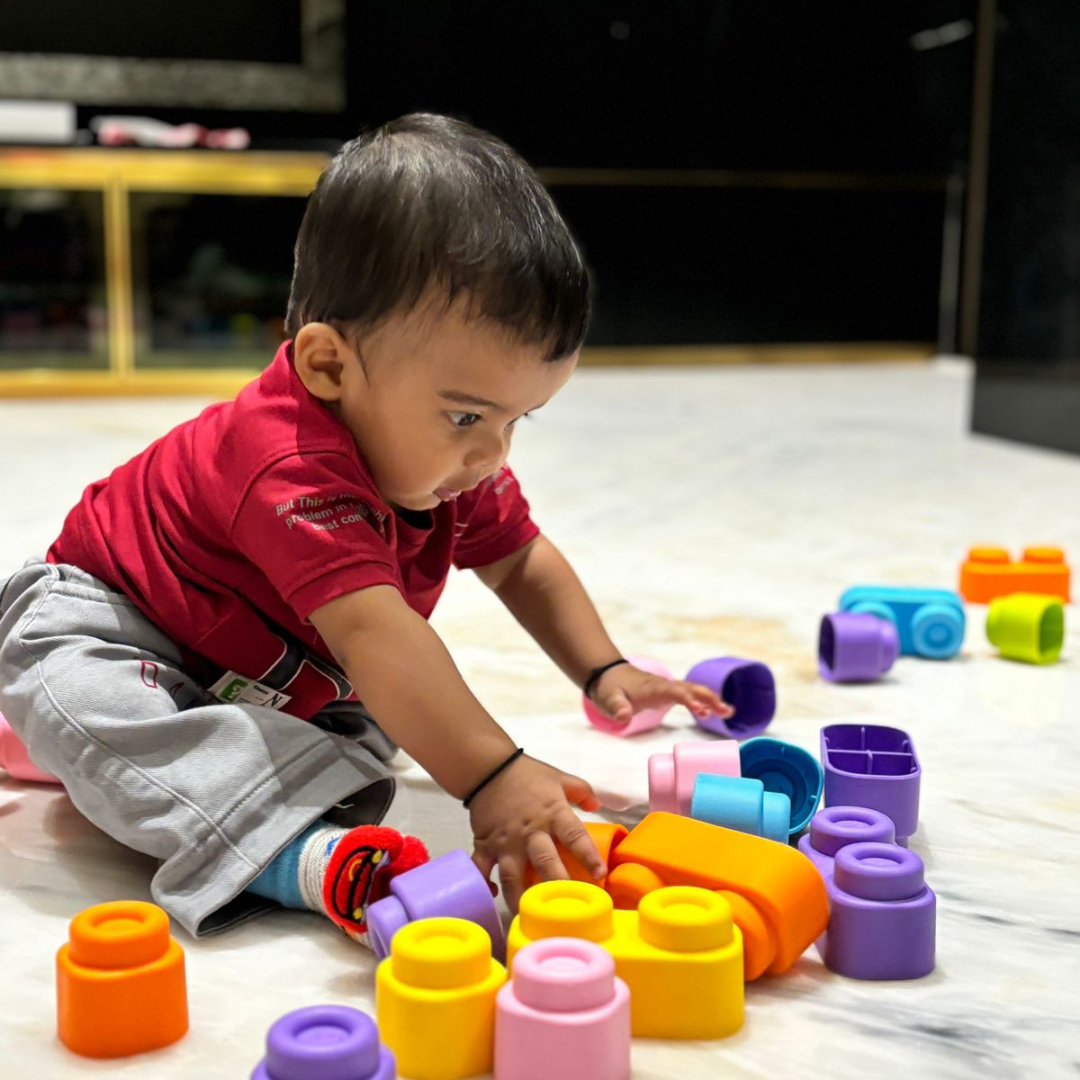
[645,720]
[14,758]
[564,1015]
[672,776]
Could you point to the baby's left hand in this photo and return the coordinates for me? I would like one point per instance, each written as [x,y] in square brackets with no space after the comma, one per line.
[625,690]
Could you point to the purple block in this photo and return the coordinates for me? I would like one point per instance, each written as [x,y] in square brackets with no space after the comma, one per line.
[873,766]
[854,647]
[836,827]
[882,916]
[447,886]
[747,685]
[325,1042]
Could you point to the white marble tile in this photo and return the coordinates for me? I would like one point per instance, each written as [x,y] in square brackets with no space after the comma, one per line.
[710,512]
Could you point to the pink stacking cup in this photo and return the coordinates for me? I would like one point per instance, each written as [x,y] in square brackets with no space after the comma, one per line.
[564,1014]
[645,720]
[15,759]
[672,776]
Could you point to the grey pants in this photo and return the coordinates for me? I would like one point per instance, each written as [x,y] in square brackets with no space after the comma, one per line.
[100,698]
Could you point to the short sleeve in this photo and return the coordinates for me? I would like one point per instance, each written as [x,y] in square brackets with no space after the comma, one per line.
[315,527]
[494,524]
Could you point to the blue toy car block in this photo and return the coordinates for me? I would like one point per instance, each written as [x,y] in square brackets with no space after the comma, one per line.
[929,622]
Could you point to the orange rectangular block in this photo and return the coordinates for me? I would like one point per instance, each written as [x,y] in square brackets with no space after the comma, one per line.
[988,574]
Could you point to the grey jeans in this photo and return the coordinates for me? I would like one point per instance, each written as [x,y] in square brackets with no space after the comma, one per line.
[99,697]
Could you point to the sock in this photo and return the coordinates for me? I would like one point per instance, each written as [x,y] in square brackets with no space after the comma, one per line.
[339,872]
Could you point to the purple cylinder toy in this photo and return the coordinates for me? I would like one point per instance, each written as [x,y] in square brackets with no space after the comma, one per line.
[854,647]
[747,685]
[449,886]
[882,915]
[836,827]
[325,1042]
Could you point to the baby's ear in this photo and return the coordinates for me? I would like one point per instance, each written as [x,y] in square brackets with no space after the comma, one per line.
[319,356]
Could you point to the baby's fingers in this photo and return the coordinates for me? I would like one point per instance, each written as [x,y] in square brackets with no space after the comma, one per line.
[617,705]
[702,701]
[511,874]
[543,855]
[575,837]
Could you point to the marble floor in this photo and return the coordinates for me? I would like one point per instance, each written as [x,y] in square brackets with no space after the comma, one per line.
[710,512]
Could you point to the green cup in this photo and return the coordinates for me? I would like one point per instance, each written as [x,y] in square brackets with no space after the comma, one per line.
[1027,627]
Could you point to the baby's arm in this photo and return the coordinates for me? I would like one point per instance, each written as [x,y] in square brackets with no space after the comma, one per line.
[408,681]
[543,593]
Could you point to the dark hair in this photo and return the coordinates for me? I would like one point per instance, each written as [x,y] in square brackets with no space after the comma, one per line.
[426,202]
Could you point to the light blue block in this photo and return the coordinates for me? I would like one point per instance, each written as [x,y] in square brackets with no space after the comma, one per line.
[929,622]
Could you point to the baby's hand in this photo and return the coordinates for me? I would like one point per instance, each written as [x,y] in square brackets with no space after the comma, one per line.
[625,690]
[516,816]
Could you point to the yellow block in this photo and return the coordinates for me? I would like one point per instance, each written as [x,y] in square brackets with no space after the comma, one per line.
[435,999]
[680,953]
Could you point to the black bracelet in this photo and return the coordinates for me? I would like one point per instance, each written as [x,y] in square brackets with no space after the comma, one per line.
[491,776]
[594,676]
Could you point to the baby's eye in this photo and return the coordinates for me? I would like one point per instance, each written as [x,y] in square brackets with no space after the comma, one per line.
[463,419]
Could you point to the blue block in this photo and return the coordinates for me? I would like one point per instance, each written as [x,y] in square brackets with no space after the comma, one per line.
[929,622]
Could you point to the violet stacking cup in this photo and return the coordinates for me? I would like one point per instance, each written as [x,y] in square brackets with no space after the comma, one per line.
[325,1042]
[645,720]
[882,914]
[836,827]
[449,886]
[16,761]
[747,685]
[564,1014]
[855,647]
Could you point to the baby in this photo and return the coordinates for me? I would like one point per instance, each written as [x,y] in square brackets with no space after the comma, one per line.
[229,639]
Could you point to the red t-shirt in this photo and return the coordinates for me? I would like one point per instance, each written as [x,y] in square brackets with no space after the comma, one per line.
[229,531]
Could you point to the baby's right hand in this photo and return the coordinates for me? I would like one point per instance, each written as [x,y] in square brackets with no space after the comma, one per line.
[515,818]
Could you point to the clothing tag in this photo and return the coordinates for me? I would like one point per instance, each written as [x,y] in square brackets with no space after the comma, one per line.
[233,688]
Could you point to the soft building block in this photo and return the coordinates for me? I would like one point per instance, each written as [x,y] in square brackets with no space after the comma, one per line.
[856,647]
[645,720]
[989,573]
[672,774]
[1027,626]
[680,953]
[739,802]
[747,685]
[929,622]
[785,769]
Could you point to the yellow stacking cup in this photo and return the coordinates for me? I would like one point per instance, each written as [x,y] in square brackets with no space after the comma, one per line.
[1027,626]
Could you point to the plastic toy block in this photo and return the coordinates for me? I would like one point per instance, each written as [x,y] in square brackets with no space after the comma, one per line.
[777,897]
[787,770]
[16,761]
[435,999]
[672,775]
[120,985]
[645,720]
[565,1014]
[883,917]
[873,766]
[1027,626]
[929,622]
[449,886]
[603,834]
[680,953]
[856,647]
[747,685]
[988,574]
[739,802]
[325,1042]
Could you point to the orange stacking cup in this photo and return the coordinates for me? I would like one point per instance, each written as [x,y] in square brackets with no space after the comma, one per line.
[120,986]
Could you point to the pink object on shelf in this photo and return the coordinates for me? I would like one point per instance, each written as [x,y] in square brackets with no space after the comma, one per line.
[672,776]
[565,1014]
[15,759]
[645,720]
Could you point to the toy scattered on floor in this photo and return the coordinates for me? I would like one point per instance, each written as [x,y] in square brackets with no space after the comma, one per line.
[325,1042]
[16,761]
[680,952]
[929,622]
[855,646]
[120,985]
[873,766]
[882,913]
[988,574]
[565,1014]
[788,770]
[449,886]
[1027,626]
[742,803]
[435,999]
[747,685]
[672,774]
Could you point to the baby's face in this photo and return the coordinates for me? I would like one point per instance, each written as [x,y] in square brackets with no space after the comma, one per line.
[435,413]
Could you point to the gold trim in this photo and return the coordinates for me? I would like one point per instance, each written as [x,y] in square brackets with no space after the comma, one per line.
[118,282]
[49,383]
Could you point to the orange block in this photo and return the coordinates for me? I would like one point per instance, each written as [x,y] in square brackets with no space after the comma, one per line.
[120,985]
[604,835]
[777,896]
[988,574]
